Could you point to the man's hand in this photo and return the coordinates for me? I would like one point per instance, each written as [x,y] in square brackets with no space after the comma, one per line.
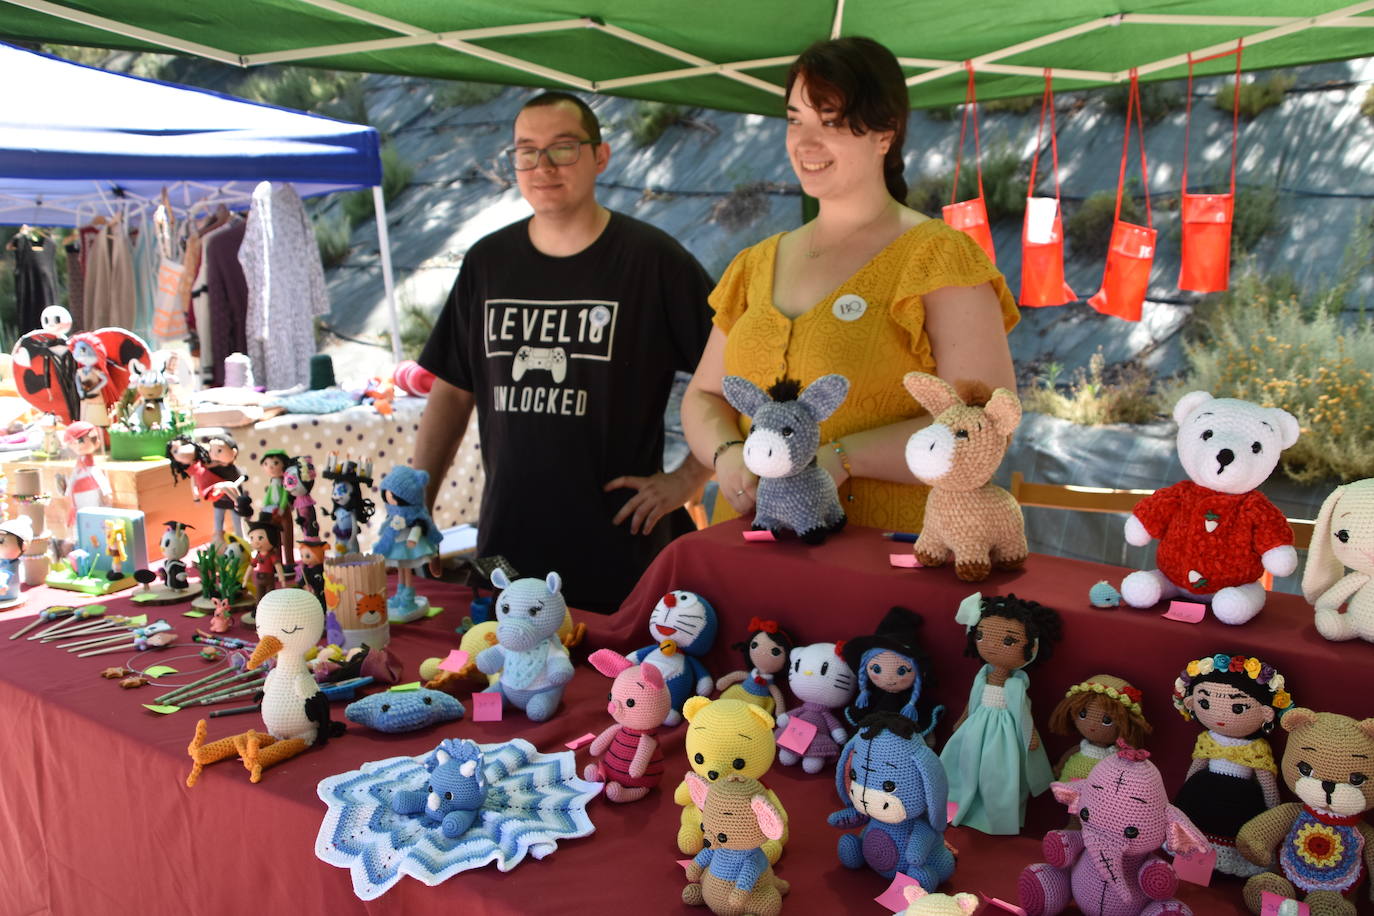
[655,496]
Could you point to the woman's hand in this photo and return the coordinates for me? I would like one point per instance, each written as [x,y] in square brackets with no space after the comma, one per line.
[737,483]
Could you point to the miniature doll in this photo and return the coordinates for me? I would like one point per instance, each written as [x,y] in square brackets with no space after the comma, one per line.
[822,680]
[1233,777]
[14,534]
[765,652]
[311,569]
[893,671]
[408,539]
[223,451]
[190,461]
[265,538]
[116,547]
[175,544]
[351,509]
[683,624]
[88,487]
[1099,710]
[299,479]
[90,356]
[995,757]
[277,501]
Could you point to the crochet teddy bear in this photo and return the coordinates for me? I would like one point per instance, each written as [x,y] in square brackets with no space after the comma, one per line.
[976,521]
[1324,844]
[920,902]
[1347,542]
[732,875]
[1217,534]
[725,737]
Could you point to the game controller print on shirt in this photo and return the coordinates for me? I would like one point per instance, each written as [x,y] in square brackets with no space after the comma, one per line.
[547,341]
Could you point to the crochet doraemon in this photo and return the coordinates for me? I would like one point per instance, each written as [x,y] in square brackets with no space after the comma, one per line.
[684,625]
[895,787]
[1217,534]
[456,792]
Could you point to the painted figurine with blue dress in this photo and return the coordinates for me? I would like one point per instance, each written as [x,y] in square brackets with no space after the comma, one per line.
[14,534]
[408,539]
[995,757]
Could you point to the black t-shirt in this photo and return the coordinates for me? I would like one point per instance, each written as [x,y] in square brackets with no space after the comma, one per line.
[570,361]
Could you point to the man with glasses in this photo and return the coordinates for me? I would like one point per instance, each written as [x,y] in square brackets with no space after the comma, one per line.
[564,331]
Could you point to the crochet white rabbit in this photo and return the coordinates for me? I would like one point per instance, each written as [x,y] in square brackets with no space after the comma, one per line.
[1344,537]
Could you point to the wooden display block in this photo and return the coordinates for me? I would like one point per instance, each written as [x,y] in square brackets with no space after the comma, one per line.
[145,485]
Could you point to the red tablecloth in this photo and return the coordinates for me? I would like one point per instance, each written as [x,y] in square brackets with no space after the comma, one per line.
[95,816]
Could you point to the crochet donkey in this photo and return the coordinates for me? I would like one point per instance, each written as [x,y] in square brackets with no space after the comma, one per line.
[957,454]
[795,493]
[532,662]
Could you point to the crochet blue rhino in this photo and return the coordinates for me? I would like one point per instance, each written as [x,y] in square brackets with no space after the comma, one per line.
[532,662]
[457,789]
[794,493]
[404,710]
[897,790]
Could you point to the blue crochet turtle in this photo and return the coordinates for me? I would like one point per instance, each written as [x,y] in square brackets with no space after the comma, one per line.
[404,710]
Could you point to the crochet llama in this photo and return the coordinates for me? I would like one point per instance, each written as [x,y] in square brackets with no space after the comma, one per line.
[795,493]
[956,455]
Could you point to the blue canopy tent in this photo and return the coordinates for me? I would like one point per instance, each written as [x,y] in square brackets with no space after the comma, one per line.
[76,141]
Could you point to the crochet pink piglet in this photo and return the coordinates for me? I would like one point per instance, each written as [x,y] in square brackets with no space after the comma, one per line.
[633,761]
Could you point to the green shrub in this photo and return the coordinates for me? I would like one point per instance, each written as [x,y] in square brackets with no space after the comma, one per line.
[416,327]
[333,236]
[1256,95]
[1367,106]
[358,207]
[1016,105]
[650,119]
[1095,396]
[1280,352]
[943,113]
[1088,225]
[743,206]
[460,93]
[1156,99]
[396,173]
[1256,215]
[1005,176]
[301,88]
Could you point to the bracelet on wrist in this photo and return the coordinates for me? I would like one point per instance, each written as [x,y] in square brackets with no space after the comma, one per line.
[720,449]
[838,447]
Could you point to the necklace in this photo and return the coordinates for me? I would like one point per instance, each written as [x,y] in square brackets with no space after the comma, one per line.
[812,251]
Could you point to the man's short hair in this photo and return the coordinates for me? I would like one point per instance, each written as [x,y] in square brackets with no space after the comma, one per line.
[589,122]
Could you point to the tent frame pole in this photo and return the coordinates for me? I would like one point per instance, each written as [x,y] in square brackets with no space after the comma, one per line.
[388,281]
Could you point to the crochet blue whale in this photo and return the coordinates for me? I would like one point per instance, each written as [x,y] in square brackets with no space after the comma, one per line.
[404,710]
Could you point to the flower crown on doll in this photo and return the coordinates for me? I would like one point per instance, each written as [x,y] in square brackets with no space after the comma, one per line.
[1126,695]
[1258,671]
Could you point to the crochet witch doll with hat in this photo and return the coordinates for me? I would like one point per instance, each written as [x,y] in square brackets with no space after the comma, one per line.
[893,671]
[1099,711]
[995,757]
[765,652]
[409,538]
[1233,776]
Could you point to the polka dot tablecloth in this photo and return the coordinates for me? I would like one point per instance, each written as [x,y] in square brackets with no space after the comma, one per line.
[361,433]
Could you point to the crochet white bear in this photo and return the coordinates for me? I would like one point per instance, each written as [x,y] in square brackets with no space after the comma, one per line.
[1344,537]
[1217,534]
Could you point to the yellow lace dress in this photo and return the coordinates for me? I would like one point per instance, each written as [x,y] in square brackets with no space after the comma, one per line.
[871,329]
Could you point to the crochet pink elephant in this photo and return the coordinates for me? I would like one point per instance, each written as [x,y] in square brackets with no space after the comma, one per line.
[1111,868]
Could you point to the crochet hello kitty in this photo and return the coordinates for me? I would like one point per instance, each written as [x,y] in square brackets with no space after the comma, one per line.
[1217,534]
[824,682]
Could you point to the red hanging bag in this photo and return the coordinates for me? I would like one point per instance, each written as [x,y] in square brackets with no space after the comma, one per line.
[1206,266]
[970,216]
[1042,233]
[1132,250]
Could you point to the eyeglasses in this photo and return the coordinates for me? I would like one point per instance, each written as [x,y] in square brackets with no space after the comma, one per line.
[564,152]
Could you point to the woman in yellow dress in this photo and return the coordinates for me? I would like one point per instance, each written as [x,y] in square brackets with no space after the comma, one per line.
[870,289]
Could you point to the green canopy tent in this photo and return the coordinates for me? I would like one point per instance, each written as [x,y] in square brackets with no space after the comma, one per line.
[727,54]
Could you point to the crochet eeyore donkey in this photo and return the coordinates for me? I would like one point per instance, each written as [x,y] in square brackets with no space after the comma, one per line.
[794,491]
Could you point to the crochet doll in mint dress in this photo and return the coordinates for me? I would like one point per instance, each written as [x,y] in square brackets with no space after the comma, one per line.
[995,758]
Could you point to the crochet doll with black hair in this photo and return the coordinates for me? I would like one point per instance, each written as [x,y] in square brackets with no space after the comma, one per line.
[765,654]
[894,671]
[1099,710]
[995,757]
[1233,777]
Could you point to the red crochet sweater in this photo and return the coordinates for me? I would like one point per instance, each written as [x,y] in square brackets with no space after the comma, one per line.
[1245,526]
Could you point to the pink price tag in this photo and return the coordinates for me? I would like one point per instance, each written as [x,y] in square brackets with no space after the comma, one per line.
[486,707]
[1186,611]
[951,809]
[575,743]
[903,560]
[894,897]
[796,737]
[685,863]
[1003,905]
[456,661]
[759,536]
[1196,867]
[1274,905]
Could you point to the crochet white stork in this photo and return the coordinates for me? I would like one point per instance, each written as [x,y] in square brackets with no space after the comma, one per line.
[290,621]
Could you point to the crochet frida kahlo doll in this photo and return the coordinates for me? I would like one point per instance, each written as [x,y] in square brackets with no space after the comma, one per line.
[893,671]
[1099,710]
[995,757]
[765,652]
[1238,700]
